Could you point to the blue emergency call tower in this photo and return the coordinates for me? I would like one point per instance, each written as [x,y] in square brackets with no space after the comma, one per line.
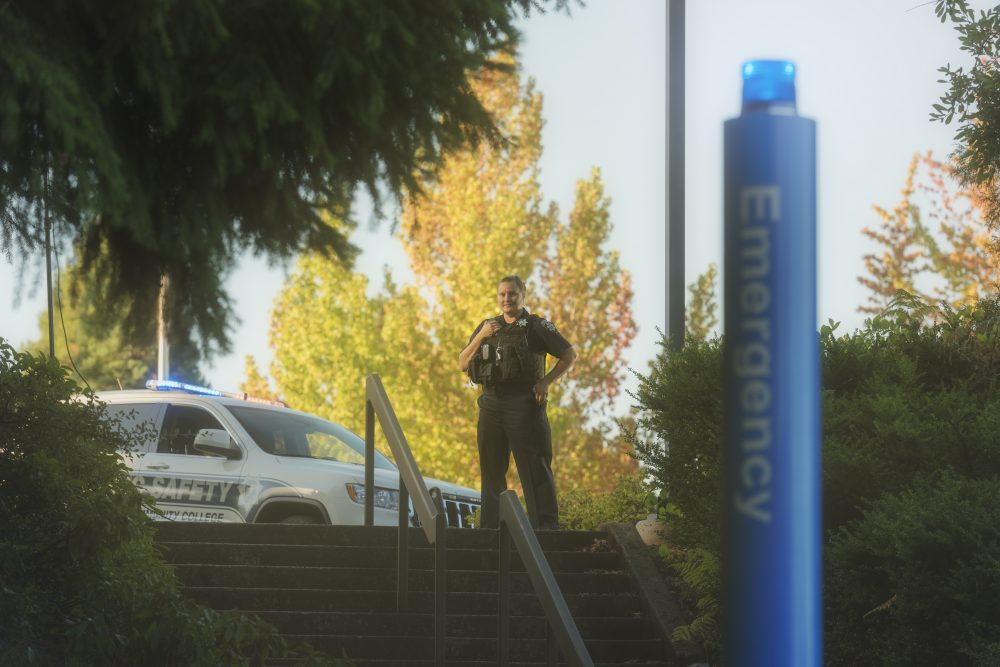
[772,606]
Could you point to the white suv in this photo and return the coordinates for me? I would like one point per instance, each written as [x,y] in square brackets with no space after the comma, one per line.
[218,458]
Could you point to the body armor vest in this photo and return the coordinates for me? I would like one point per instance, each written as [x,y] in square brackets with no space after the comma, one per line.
[506,357]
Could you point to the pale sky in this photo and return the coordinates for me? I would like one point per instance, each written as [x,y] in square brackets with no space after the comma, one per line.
[867,73]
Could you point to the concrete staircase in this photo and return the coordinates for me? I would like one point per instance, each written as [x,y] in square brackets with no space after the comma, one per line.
[334,587]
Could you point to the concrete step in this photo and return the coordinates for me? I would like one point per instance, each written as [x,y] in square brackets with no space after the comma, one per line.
[346,579]
[386,536]
[467,625]
[334,587]
[377,557]
[282,599]
[464,648]
[413,662]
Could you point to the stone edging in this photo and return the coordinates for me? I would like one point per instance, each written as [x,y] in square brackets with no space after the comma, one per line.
[656,598]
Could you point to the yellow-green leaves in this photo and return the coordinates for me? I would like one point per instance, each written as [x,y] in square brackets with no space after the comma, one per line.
[938,252]
[481,217]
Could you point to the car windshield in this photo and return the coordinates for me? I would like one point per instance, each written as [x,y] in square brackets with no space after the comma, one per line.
[289,434]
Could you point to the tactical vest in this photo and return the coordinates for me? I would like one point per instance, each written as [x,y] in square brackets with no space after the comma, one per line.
[505,356]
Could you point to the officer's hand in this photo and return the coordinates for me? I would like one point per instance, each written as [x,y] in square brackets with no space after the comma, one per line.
[490,328]
[541,390]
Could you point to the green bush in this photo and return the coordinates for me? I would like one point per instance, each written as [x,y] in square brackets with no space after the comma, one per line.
[627,502]
[916,578]
[681,401]
[80,580]
[903,401]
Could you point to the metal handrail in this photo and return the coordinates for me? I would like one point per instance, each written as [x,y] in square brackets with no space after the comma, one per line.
[429,508]
[562,630]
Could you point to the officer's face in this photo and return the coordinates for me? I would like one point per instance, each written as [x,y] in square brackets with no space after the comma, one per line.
[510,299]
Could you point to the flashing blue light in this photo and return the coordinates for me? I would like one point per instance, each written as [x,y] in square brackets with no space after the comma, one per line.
[768,81]
[165,385]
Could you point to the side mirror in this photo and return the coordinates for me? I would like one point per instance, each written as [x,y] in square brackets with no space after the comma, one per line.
[216,442]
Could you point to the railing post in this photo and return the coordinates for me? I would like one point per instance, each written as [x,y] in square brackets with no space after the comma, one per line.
[440,552]
[369,463]
[403,546]
[503,601]
[560,621]
[429,506]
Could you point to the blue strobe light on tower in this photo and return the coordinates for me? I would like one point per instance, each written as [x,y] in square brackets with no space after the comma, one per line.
[771,565]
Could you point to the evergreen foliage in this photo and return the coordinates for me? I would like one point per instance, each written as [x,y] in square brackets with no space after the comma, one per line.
[81,582]
[911,441]
[165,137]
[915,579]
[973,99]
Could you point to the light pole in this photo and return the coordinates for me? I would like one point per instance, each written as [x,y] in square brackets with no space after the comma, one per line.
[675,174]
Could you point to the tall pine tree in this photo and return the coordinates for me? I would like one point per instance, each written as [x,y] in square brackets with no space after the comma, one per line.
[165,137]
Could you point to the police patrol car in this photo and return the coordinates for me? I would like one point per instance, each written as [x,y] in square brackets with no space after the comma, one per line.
[208,455]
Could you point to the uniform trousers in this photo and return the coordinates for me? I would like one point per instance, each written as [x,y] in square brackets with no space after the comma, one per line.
[511,422]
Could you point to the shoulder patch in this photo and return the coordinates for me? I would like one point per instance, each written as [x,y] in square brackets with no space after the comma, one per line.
[548,325]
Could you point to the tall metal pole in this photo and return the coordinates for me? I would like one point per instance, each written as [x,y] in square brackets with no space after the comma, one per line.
[163,347]
[48,276]
[675,174]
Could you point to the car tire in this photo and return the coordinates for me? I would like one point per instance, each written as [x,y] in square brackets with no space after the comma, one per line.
[300,519]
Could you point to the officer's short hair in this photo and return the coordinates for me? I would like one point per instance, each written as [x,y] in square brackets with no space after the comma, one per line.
[517,281]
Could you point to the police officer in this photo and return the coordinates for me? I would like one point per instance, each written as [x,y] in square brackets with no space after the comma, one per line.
[506,354]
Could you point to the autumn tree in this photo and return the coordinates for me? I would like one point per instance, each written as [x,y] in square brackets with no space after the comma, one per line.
[167,137]
[255,383]
[933,244]
[480,217]
[703,304]
[901,257]
[961,251]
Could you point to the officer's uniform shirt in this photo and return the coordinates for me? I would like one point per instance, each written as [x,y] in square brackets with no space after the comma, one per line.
[543,338]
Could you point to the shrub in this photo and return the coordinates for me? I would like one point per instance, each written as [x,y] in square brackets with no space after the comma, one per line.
[903,401]
[681,402]
[627,502]
[915,579]
[80,580]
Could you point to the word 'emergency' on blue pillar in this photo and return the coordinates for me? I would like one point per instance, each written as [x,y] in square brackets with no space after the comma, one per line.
[772,606]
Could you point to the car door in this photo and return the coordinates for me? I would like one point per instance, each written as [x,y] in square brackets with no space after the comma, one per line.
[189,485]
[143,421]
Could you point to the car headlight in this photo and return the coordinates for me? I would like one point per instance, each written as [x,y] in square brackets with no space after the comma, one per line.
[384,498]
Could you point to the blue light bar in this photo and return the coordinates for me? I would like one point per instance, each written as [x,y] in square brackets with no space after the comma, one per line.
[168,385]
[768,82]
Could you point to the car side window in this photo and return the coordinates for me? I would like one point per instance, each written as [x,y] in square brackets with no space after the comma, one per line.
[326,446]
[180,425]
[140,418]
